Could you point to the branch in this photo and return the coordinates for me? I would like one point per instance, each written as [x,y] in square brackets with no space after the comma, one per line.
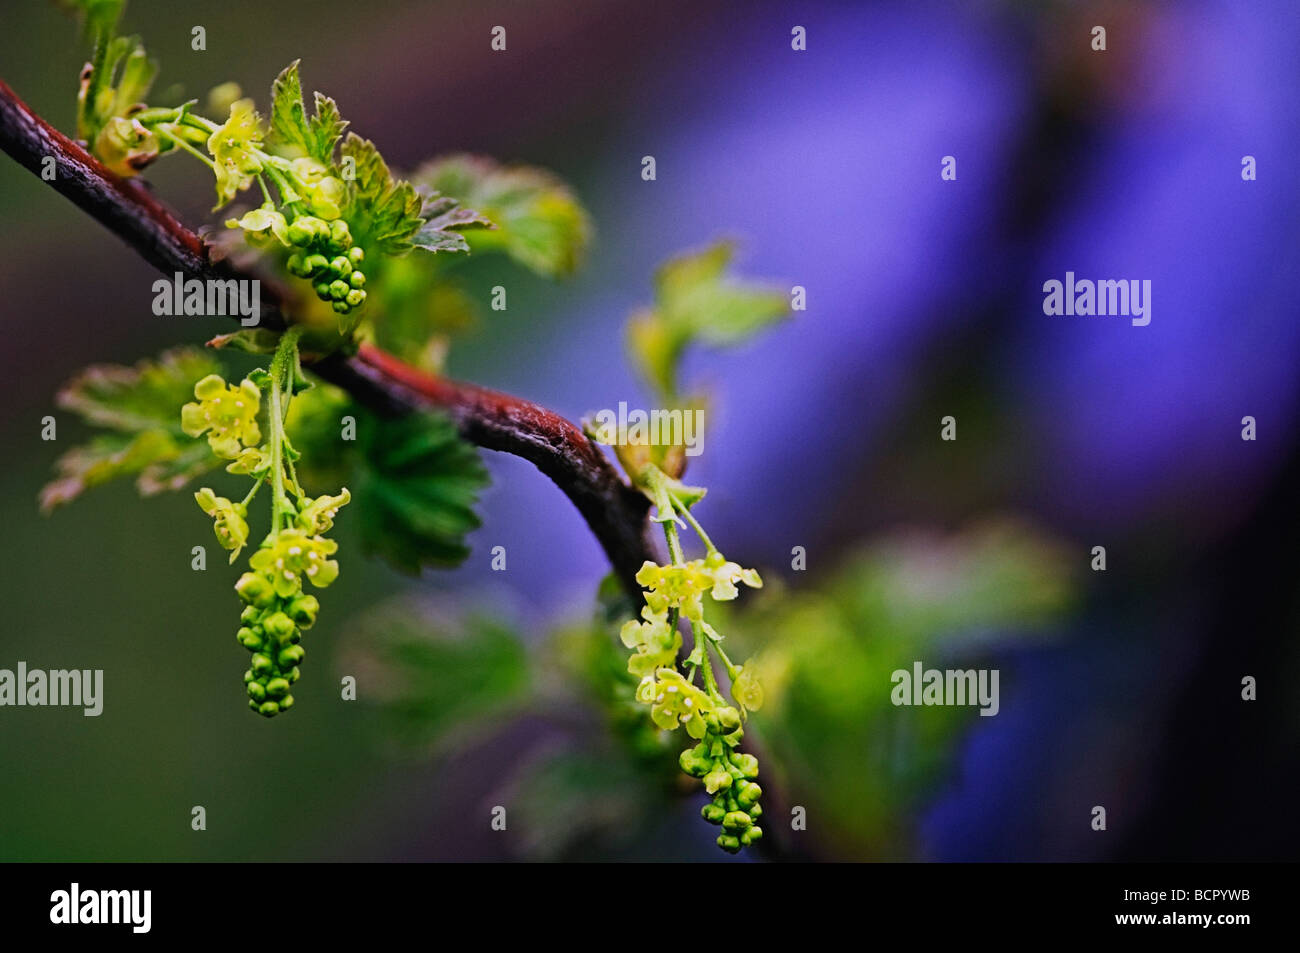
[614,511]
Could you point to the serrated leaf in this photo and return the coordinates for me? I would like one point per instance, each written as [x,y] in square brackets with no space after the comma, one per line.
[417,487]
[148,395]
[313,136]
[141,407]
[149,453]
[538,221]
[444,221]
[695,301]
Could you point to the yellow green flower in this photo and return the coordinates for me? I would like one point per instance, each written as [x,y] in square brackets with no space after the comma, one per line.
[126,146]
[656,642]
[249,461]
[231,527]
[228,415]
[317,516]
[295,556]
[260,224]
[235,147]
[676,701]
[746,690]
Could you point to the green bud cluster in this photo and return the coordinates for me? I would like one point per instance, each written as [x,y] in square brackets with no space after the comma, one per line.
[271,628]
[327,258]
[728,774]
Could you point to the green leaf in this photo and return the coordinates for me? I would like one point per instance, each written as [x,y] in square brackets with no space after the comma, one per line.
[385,212]
[314,136]
[437,677]
[146,396]
[416,490]
[695,301]
[444,220]
[539,222]
[141,407]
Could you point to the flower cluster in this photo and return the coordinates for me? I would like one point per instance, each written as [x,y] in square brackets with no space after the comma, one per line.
[277,608]
[728,775]
[323,252]
[676,591]
[294,552]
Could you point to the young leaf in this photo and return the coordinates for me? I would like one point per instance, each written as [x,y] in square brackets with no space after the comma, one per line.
[385,212]
[416,490]
[313,136]
[444,220]
[141,406]
[695,302]
[539,222]
[146,396]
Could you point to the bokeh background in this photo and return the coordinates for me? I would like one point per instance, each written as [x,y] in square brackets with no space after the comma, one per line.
[480,688]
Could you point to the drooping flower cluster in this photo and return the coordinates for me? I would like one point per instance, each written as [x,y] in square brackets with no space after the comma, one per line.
[294,552]
[277,609]
[678,591]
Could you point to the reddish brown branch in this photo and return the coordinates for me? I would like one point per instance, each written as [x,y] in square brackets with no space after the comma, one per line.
[615,513]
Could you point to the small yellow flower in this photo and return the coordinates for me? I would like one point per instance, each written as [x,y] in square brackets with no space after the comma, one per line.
[295,556]
[317,516]
[746,690]
[234,146]
[676,701]
[231,527]
[227,414]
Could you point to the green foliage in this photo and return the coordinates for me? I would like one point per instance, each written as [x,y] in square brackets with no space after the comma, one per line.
[431,677]
[392,216]
[141,405]
[417,485]
[826,656]
[538,221]
[313,136]
[696,302]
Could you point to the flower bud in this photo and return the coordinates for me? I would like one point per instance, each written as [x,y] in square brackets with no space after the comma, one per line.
[726,841]
[713,813]
[338,289]
[269,709]
[303,610]
[279,687]
[262,665]
[339,233]
[751,836]
[255,590]
[340,266]
[256,691]
[355,297]
[355,254]
[286,703]
[732,821]
[290,657]
[279,626]
[357,279]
